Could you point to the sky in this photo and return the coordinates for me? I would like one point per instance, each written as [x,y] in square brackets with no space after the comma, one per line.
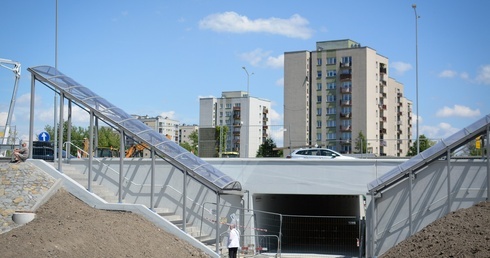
[155,58]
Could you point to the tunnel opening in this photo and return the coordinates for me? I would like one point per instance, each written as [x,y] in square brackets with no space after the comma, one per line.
[312,224]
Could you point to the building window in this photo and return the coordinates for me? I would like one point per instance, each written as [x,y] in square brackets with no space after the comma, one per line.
[318,124]
[319,61]
[318,136]
[331,60]
[331,98]
[331,123]
[331,73]
[347,59]
[319,86]
[228,105]
[319,74]
[318,111]
[331,85]
[318,99]
[331,136]
[330,111]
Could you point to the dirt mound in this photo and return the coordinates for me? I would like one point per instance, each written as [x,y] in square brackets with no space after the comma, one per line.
[463,233]
[67,227]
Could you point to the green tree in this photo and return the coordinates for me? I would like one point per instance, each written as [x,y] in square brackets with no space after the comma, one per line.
[220,136]
[361,143]
[192,145]
[424,143]
[109,137]
[78,133]
[266,149]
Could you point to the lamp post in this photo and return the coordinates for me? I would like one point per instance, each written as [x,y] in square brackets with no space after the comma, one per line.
[248,80]
[414,6]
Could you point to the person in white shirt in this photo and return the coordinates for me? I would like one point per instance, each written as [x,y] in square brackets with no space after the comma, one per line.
[233,241]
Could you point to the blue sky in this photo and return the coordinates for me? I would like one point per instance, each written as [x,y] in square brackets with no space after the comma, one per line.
[159,57]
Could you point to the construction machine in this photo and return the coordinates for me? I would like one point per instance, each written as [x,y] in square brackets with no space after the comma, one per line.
[136,150]
[14,67]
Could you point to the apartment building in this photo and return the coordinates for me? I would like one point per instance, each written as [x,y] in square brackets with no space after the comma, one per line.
[342,89]
[163,125]
[245,117]
[185,131]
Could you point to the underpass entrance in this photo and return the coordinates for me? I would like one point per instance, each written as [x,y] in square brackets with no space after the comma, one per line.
[313,224]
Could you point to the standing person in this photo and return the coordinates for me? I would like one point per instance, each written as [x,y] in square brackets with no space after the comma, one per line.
[20,155]
[233,241]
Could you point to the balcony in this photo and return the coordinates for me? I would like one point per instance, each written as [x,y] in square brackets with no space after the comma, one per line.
[345,103]
[265,111]
[236,108]
[349,64]
[345,128]
[382,83]
[345,76]
[346,90]
[382,70]
[382,94]
[345,115]
[382,107]
[382,131]
[383,118]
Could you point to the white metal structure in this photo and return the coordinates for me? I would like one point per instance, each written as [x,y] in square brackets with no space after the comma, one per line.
[14,67]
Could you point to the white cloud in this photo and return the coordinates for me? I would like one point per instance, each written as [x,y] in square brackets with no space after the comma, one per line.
[464,75]
[448,74]
[441,131]
[458,111]
[261,58]
[280,82]
[3,119]
[294,27]
[275,62]
[483,76]
[169,114]
[401,67]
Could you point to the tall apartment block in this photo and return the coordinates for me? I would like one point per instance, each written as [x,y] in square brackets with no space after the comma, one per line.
[163,125]
[246,118]
[340,90]
[185,131]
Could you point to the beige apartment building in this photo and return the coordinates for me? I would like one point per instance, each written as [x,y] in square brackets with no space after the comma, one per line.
[340,90]
[245,117]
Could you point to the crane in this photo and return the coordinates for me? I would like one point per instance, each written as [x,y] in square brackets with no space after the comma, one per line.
[14,67]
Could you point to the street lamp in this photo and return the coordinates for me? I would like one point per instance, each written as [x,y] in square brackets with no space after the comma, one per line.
[248,80]
[414,6]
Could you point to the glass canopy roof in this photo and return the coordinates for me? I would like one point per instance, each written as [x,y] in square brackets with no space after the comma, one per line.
[103,109]
[439,149]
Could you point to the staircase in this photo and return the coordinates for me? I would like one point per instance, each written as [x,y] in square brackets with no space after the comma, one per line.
[112,197]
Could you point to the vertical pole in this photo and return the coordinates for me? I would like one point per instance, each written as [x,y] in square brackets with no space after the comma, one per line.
[60,132]
[184,202]
[90,150]
[217,223]
[55,66]
[448,175]
[31,122]
[410,205]
[417,74]
[152,190]
[121,164]
[68,132]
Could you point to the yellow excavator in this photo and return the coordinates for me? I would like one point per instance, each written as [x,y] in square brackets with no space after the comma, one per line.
[136,150]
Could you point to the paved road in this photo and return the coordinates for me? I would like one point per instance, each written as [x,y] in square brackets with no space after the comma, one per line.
[21,187]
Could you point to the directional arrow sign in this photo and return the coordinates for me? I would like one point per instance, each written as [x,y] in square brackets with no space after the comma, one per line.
[44,136]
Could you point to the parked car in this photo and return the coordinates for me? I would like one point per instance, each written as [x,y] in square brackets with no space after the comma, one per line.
[45,151]
[317,153]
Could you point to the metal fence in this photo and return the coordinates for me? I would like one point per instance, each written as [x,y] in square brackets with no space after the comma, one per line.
[268,234]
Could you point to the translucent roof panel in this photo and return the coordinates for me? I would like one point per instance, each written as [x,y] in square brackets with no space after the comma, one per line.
[172,152]
[434,152]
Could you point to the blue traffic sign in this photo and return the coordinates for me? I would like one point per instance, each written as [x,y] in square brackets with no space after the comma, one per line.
[43,136]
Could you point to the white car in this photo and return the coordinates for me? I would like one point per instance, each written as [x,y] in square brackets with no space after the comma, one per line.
[318,153]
